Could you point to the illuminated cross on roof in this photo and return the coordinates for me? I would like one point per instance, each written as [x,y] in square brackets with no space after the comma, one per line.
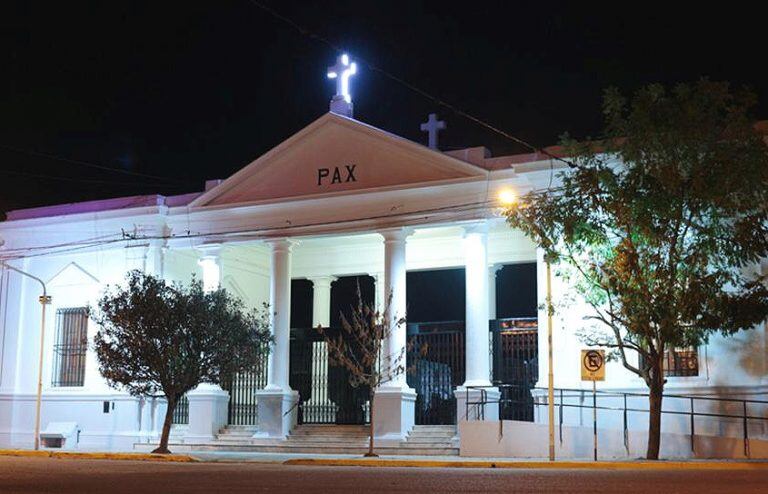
[341,103]
[432,127]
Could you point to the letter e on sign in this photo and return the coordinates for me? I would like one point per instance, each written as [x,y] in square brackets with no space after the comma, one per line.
[593,365]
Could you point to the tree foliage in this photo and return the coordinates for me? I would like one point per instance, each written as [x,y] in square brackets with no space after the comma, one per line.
[156,338]
[663,221]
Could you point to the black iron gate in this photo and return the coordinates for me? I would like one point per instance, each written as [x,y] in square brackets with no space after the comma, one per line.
[516,363]
[436,374]
[242,387]
[325,394]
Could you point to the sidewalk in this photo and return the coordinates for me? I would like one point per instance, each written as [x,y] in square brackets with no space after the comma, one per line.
[466,462]
[401,461]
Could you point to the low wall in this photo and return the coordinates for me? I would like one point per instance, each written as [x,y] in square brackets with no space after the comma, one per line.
[126,421]
[512,439]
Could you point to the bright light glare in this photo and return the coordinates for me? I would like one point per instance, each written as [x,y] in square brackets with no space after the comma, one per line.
[507,197]
[342,71]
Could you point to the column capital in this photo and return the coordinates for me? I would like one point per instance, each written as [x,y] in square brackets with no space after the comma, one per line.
[324,280]
[210,251]
[284,244]
[475,228]
[398,234]
[493,269]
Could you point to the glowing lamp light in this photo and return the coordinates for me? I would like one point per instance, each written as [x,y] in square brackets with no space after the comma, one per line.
[342,71]
[507,197]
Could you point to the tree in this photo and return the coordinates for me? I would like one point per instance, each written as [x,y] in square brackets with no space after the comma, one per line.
[358,348]
[661,224]
[160,338]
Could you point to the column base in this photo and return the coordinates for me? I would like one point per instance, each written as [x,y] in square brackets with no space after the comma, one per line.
[475,411]
[277,413]
[394,414]
[207,413]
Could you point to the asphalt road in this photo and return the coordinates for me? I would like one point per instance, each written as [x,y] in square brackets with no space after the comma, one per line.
[113,477]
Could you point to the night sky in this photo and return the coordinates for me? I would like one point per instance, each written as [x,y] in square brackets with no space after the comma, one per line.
[189,91]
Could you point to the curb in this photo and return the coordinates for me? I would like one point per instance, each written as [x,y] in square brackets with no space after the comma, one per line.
[98,456]
[541,465]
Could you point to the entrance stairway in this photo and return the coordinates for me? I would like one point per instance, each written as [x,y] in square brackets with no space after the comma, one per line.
[330,439]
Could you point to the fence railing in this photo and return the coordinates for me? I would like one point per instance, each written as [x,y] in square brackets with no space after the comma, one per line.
[746,407]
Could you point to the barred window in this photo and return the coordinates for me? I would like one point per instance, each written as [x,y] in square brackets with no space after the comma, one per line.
[681,362]
[71,347]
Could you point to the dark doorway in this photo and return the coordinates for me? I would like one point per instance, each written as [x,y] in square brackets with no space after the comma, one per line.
[516,291]
[435,296]
[344,295]
[436,308]
[301,304]
[515,340]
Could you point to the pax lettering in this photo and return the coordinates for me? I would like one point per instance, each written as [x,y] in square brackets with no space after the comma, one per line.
[337,175]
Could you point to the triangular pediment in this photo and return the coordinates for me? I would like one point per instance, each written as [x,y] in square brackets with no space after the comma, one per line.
[335,154]
[72,274]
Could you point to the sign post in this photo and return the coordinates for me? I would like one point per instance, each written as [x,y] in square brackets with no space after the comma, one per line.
[593,369]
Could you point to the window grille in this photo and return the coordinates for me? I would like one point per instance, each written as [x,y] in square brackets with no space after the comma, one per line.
[681,362]
[71,347]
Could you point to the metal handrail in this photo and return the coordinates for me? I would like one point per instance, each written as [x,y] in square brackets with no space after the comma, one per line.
[745,417]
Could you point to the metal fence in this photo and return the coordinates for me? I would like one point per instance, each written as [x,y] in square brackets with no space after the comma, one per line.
[181,413]
[436,373]
[747,408]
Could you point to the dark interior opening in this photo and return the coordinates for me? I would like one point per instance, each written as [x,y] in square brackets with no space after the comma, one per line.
[344,296]
[435,295]
[301,304]
[516,291]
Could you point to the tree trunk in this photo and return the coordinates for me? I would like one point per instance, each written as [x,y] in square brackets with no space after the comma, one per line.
[370,452]
[655,396]
[162,448]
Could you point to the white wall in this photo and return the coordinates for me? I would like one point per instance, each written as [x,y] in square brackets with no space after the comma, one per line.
[511,439]
[77,280]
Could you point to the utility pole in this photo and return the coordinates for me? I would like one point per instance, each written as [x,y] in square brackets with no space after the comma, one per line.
[551,374]
[44,300]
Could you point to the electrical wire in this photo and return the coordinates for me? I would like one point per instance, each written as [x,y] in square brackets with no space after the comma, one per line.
[86,163]
[84,180]
[312,35]
[264,232]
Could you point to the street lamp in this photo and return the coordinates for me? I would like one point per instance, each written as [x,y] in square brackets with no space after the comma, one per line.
[44,300]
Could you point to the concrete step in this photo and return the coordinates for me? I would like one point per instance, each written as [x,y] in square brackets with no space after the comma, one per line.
[326,439]
[431,434]
[428,440]
[435,428]
[354,450]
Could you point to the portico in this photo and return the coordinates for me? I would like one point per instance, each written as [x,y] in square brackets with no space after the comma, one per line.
[475,247]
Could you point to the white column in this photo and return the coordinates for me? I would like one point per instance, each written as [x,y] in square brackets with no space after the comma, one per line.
[277,413]
[210,265]
[380,292]
[207,402]
[321,300]
[476,268]
[321,316]
[394,401]
[394,287]
[493,270]
[280,313]
[478,359]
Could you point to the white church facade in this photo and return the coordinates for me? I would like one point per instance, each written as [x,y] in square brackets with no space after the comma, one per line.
[339,202]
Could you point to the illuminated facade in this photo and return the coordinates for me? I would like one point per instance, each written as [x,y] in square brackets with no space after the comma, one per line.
[338,200]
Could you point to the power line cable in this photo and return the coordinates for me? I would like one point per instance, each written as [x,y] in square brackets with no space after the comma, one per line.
[86,163]
[126,237]
[312,35]
[85,180]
